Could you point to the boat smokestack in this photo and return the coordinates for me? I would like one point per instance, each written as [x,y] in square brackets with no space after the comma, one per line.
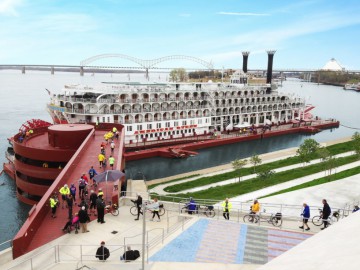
[245,61]
[270,67]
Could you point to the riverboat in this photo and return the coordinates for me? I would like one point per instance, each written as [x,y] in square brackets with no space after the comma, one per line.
[164,111]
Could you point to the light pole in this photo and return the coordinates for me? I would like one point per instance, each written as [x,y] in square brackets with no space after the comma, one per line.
[143,238]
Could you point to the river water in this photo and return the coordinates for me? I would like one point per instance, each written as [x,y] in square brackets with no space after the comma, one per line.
[23,97]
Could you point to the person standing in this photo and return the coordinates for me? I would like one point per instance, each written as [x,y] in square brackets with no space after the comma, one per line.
[155,209]
[138,203]
[92,174]
[112,147]
[73,192]
[100,207]
[111,162]
[226,205]
[102,252]
[306,215]
[325,213]
[82,185]
[101,159]
[93,198]
[83,219]
[69,201]
[64,191]
[53,205]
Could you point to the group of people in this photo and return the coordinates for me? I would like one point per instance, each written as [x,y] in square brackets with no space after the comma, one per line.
[325,214]
[154,207]
[109,140]
[103,253]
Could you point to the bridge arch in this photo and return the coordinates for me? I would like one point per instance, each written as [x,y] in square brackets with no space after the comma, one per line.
[147,63]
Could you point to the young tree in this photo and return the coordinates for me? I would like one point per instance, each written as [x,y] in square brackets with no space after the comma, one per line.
[324,155]
[265,174]
[331,164]
[307,150]
[356,142]
[238,164]
[255,160]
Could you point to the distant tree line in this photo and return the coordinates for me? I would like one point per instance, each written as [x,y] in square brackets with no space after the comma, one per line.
[335,77]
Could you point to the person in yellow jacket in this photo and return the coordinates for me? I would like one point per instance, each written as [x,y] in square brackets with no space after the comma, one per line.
[255,208]
[53,204]
[65,192]
[226,205]
[101,159]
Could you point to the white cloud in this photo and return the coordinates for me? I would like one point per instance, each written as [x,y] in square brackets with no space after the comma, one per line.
[242,14]
[8,7]
[184,15]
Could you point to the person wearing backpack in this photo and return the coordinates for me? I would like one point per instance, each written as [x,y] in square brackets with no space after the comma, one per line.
[130,255]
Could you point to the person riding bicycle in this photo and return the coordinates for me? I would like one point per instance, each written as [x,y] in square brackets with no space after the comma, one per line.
[138,203]
[255,208]
[191,206]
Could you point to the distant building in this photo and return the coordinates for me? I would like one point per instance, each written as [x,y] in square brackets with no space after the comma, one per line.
[333,65]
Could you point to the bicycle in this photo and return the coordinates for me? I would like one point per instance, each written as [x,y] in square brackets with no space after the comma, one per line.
[207,210]
[318,220]
[134,209]
[274,219]
[112,208]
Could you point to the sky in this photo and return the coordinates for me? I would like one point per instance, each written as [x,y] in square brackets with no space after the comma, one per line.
[306,34]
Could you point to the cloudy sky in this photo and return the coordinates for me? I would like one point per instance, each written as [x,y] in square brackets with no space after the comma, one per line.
[305,33]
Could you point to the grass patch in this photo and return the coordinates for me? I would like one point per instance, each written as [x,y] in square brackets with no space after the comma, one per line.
[203,181]
[236,189]
[319,181]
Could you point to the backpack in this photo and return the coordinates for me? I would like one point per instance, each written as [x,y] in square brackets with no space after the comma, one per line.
[278,216]
[81,182]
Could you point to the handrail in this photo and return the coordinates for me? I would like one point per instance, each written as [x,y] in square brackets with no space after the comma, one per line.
[6,242]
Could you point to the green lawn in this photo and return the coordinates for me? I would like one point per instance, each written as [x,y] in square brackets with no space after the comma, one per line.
[333,149]
[236,189]
[319,181]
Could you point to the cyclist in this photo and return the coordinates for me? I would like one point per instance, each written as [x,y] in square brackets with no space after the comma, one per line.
[255,209]
[325,213]
[191,206]
[138,203]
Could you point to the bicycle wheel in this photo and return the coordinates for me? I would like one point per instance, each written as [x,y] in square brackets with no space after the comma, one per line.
[317,220]
[276,222]
[161,211]
[134,210]
[115,212]
[250,218]
[210,213]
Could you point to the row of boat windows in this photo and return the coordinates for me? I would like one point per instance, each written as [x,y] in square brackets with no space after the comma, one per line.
[33,180]
[145,96]
[39,163]
[168,124]
[164,134]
